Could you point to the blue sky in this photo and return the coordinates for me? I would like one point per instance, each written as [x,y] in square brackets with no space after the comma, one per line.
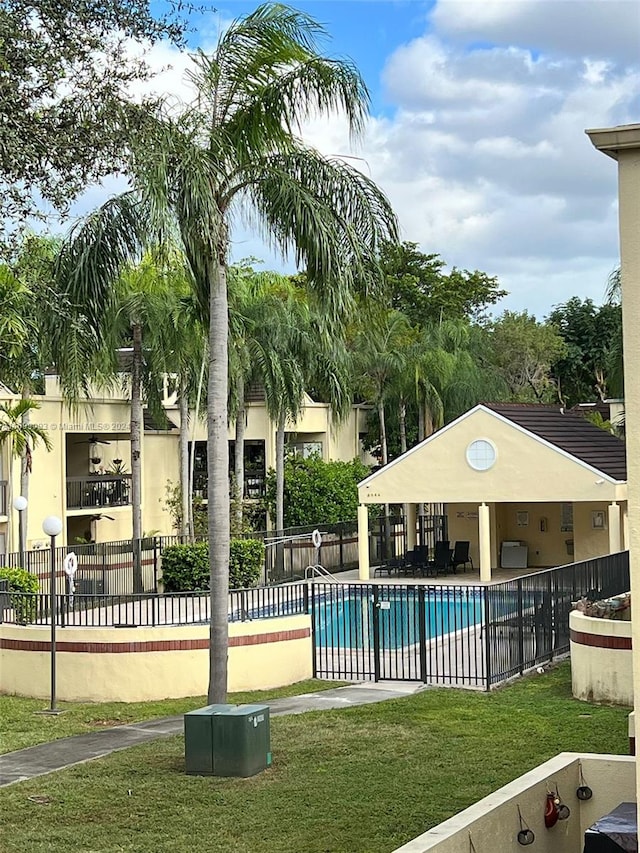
[477,130]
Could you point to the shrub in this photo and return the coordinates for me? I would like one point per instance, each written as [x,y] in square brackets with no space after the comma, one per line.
[21,582]
[246,561]
[317,492]
[185,568]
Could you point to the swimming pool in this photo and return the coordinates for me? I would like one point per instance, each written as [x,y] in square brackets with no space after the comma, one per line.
[348,622]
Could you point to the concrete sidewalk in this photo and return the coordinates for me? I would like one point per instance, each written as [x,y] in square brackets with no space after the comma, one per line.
[59,754]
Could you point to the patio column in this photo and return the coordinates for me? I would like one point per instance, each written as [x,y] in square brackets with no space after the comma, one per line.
[363,542]
[615,538]
[412,516]
[623,144]
[484,538]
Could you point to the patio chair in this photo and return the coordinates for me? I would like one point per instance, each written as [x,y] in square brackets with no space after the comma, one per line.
[461,556]
[441,563]
[419,558]
[389,566]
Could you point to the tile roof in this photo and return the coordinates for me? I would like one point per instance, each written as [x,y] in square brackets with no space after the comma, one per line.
[157,424]
[571,432]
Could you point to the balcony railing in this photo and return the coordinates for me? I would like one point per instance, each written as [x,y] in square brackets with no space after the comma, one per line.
[99,491]
[254,484]
[3,497]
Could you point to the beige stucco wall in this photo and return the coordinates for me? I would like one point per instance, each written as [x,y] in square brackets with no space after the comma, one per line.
[339,441]
[109,417]
[493,822]
[160,464]
[145,676]
[546,542]
[601,674]
[437,470]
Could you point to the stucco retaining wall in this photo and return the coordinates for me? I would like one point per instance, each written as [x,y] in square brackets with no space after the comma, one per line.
[601,659]
[142,664]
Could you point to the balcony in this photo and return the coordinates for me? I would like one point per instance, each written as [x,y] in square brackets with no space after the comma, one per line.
[254,484]
[98,491]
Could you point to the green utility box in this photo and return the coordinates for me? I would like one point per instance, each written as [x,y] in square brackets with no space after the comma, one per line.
[227,740]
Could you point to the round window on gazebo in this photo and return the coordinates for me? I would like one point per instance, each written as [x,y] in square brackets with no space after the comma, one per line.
[481,454]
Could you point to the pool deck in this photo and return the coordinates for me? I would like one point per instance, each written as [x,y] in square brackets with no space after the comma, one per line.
[459,579]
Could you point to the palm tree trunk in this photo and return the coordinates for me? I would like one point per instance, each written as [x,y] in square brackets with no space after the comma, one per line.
[421,437]
[387,551]
[239,461]
[383,433]
[24,476]
[136,461]
[282,419]
[218,481]
[184,458]
[192,461]
[402,419]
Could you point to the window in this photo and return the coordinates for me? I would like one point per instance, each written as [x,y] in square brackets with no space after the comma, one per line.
[306,448]
[481,455]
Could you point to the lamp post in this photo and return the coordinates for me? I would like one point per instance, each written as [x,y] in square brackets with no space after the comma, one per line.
[20,504]
[52,527]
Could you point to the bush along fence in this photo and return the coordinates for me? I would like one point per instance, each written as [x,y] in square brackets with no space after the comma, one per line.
[465,636]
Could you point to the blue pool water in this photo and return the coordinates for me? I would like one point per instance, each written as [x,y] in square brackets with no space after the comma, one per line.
[349,622]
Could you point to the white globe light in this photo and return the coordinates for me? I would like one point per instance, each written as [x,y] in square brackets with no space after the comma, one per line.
[52,525]
[19,503]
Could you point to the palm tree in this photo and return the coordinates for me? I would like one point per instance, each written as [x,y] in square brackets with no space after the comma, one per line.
[25,329]
[235,152]
[135,335]
[21,437]
[380,352]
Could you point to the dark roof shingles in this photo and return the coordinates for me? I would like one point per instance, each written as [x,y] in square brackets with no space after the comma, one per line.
[571,432]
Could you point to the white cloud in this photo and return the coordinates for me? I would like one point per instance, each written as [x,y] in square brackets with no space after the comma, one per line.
[592,28]
[484,156]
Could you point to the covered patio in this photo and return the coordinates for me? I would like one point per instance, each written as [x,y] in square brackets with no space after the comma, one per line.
[529,486]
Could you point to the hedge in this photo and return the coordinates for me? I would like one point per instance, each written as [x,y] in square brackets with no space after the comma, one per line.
[21,581]
[185,568]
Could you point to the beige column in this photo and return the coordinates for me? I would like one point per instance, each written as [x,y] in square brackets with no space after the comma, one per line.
[625,526]
[363,542]
[484,536]
[623,144]
[411,526]
[615,538]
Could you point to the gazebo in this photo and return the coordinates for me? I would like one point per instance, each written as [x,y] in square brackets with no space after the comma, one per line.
[527,485]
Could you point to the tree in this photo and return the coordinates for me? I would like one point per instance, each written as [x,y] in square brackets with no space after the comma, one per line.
[317,491]
[137,339]
[29,283]
[522,351]
[20,435]
[417,286]
[589,333]
[235,151]
[380,355]
[65,70]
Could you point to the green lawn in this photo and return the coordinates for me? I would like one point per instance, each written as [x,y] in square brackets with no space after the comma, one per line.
[22,726]
[360,779]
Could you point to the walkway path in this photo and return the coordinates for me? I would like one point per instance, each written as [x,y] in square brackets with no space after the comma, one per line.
[59,754]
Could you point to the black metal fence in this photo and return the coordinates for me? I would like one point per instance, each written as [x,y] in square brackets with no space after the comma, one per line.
[527,619]
[144,611]
[107,568]
[461,635]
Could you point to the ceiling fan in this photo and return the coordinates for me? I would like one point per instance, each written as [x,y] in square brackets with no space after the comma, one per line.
[99,517]
[93,439]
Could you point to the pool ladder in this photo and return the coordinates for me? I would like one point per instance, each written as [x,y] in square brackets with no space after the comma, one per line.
[319,571]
